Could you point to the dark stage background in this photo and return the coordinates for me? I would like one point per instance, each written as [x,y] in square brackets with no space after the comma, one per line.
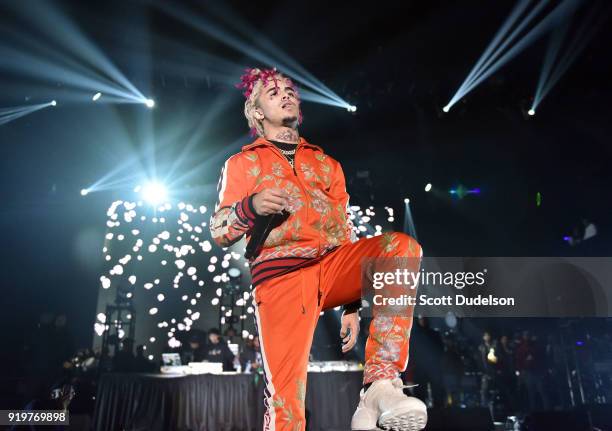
[398,62]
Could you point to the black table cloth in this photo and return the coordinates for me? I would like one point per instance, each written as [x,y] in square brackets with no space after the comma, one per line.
[208,402]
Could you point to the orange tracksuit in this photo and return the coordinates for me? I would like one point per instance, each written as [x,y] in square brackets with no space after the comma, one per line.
[308,263]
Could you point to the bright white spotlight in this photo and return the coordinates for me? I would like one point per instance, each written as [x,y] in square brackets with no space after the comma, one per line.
[154,192]
[53,103]
[531,112]
[150,103]
[96,96]
[428,187]
[351,108]
[446,108]
[84,192]
[406,200]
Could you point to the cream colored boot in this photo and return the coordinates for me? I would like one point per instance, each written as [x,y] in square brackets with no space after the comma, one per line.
[384,404]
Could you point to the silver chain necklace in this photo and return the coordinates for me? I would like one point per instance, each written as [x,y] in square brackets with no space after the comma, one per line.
[289,153]
[289,159]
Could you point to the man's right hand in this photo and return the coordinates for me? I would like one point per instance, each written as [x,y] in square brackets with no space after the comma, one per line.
[270,201]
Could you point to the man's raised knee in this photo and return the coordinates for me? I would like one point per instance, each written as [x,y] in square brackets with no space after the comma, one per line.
[401,244]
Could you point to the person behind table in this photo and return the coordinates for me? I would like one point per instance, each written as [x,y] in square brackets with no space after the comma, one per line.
[250,357]
[216,350]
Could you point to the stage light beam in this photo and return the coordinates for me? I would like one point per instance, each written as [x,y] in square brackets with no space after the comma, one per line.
[12,113]
[498,58]
[408,225]
[554,66]
[150,103]
[154,192]
[96,96]
[274,56]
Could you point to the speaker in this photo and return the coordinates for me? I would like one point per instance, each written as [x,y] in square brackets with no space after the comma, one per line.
[458,419]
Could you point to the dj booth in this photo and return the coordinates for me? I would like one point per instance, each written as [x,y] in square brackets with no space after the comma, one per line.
[209,402]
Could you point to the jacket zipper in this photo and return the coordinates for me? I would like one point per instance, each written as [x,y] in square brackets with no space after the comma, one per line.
[277,151]
[303,189]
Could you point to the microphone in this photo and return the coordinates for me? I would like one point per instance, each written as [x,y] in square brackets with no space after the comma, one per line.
[262,228]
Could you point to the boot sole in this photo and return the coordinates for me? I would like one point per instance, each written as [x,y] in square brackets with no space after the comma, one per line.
[403,420]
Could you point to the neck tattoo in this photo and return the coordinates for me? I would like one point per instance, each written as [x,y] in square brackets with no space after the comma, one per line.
[287,135]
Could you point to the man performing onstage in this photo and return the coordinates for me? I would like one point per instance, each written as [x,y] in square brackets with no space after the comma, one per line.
[289,198]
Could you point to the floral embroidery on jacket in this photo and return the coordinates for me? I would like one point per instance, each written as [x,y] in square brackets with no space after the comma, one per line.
[294,192]
[254,171]
[312,177]
[263,178]
[308,171]
[277,169]
[285,251]
[334,233]
[278,236]
[319,202]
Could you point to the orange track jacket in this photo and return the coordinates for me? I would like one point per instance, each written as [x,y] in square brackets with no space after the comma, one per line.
[317,219]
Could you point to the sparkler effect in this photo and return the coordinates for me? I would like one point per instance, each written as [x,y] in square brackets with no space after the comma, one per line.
[168,258]
[126,221]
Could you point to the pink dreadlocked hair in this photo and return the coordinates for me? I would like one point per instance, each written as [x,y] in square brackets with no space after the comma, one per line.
[252,82]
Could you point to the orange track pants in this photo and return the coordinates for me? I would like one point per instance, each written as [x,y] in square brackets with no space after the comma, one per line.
[287,309]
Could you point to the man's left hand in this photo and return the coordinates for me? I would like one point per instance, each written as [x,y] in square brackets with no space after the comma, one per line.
[349,329]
